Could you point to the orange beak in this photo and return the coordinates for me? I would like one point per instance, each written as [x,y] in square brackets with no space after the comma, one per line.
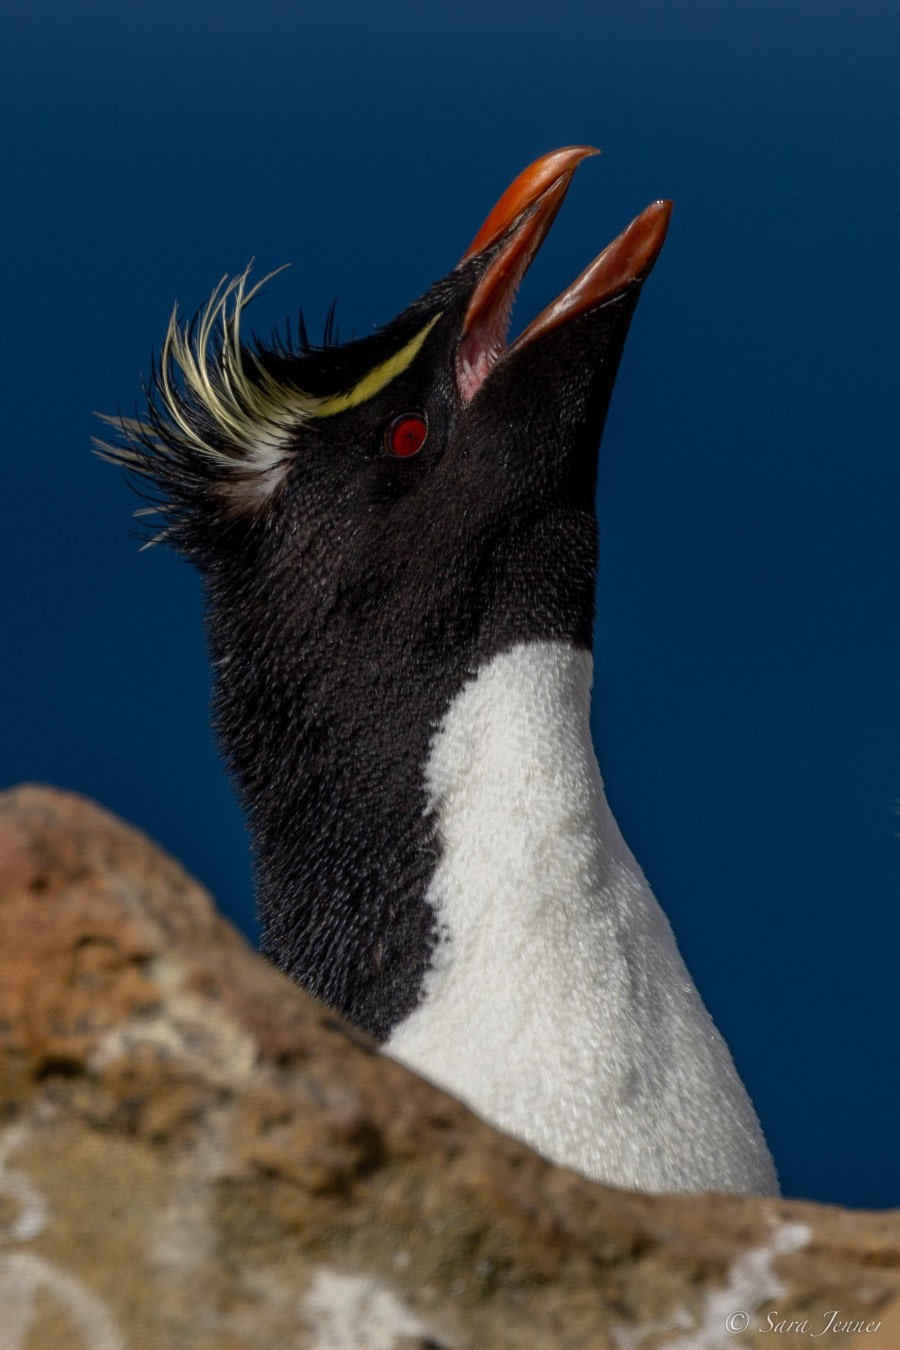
[626,260]
[555,170]
[525,213]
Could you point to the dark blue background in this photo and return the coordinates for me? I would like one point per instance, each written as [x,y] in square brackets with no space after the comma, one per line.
[747,717]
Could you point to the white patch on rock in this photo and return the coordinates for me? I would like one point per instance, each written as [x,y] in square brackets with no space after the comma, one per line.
[31,1213]
[193,1029]
[24,1275]
[182,1235]
[358,1312]
[752,1283]
[558,1005]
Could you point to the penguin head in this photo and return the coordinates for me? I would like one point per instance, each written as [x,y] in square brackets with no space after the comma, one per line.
[383,473]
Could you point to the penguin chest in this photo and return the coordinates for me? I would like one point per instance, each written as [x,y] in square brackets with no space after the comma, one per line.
[557,1003]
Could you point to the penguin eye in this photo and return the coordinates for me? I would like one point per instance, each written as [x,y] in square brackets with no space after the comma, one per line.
[405,435]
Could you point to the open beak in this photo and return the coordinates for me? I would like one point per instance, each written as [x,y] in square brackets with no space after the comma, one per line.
[521,220]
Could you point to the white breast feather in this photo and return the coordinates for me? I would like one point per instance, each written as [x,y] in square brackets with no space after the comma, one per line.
[558,1005]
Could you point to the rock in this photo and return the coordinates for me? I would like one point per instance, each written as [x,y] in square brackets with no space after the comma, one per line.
[193,1153]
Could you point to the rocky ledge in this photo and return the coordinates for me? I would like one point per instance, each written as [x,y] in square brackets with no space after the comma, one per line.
[193,1153]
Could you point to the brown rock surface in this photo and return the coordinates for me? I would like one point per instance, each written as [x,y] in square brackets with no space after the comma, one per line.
[193,1153]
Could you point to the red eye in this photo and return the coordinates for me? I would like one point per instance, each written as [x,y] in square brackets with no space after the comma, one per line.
[406,435]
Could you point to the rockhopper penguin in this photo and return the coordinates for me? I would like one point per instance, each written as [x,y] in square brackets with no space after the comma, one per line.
[398,545]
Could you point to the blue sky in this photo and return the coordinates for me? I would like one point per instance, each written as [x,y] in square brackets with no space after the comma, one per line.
[747,713]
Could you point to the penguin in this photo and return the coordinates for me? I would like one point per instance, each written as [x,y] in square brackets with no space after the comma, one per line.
[398,547]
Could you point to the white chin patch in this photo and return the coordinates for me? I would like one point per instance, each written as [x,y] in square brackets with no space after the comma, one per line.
[558,1005]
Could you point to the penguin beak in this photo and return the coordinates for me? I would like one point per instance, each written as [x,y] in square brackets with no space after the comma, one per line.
[515,229]
[527,195]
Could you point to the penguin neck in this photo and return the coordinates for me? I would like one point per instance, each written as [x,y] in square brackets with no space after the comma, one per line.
[331,735]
